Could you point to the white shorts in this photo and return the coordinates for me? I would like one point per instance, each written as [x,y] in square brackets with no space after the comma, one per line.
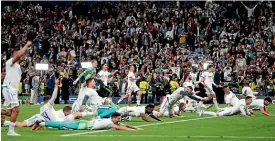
[235,109]
[209,90]
[132,88]
[171,104]
[76,107]
[11,99]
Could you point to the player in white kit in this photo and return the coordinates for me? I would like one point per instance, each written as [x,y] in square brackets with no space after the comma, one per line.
[10,87]
[140,111]
[104,76]
[247,91]
[207,80]
[48,112]
[96,124]
[132,87]
[178,107]
[62,113]
[245,106]
[261,105]
[170,101]
[88,73]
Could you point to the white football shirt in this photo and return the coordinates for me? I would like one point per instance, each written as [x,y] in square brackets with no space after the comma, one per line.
[131,82]
[231,99]
[104,75]
[13,76]
[257,103]
[209,78]
[248,92]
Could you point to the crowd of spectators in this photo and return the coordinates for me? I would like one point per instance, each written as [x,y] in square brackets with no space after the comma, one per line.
[166,39]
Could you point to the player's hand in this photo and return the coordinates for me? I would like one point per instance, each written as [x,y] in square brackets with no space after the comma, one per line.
[74,82]
[140,129]
[56,82]
[29,43]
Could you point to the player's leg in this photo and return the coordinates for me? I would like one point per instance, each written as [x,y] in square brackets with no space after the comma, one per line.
[106,112]
[207,113]
[225,112]
[58,125]
[235,109]
[30,122]
[108,101]
[213,95]
[139,95]
[122,98]
[12,103]
[163,107]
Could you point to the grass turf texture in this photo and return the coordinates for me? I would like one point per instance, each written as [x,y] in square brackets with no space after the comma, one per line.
[190,127]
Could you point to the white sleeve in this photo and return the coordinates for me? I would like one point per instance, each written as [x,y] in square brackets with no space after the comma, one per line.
[9,63]
[244,91]
[100,73]
[243,110]
[227,99]
[54,95]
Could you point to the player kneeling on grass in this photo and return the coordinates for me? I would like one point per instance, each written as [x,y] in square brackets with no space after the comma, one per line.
[143,112]
[180,106]
[96,124]
[260,104]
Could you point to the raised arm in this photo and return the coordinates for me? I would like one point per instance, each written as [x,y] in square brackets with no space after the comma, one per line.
[21,52]
[55,92]
[86,73]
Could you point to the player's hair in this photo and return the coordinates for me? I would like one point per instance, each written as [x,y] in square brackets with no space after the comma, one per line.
[88,81]
[115,114]
[67,108]
[245,82]
[93,60]
[190,88]
[226,86]
[149,106]
[181,105]
[209,66]
[46,98]
[268,99]
[156,104]
[248,97]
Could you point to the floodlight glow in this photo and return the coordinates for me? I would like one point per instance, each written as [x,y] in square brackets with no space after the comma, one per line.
[86,65]
[41,66]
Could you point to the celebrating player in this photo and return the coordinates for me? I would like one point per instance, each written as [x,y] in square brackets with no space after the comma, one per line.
[10,87]
[96,124]
[138,112]
[132,87]
[261,105]
[207,79]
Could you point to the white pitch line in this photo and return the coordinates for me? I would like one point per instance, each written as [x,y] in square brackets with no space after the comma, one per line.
[171,136]
[159,123]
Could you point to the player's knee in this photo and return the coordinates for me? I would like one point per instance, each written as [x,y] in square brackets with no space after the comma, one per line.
[16,110]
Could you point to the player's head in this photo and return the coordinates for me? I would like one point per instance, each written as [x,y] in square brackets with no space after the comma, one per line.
[226,89]
[211,68]
[188,89]
[248,100]
[245,82]
[132,68]
[94,63]
[67,110]
[267,101]
[156,106]
[46,99]
[182,106]
[105,67]
[116,117]
[90,82]
[149,109]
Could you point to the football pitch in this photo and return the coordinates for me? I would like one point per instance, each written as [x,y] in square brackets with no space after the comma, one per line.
[189,127]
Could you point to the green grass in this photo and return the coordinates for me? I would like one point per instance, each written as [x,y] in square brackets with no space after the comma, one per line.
[234,128]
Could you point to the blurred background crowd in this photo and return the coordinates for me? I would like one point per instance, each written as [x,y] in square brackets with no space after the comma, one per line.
[168,42]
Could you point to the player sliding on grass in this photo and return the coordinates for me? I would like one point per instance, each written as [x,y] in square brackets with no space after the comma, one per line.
[260,104]
[179,106]
[96,124]
[226,111]
[48,112]
[143,112]
[62,113]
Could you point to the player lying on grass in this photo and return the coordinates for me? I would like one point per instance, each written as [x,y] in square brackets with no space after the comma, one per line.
[260,104]
[243,109]
[96,124]
[94,100]
[143,112]
[48,112]
[62,113]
